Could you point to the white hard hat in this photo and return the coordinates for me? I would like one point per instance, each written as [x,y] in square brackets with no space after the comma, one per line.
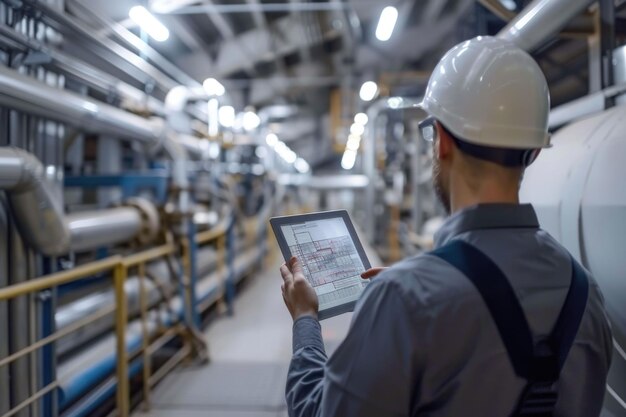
[489,92]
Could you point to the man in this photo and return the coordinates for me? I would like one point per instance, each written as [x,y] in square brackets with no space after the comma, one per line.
[436,335]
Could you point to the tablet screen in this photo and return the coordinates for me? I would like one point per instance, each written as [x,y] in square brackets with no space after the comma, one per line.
[329,258]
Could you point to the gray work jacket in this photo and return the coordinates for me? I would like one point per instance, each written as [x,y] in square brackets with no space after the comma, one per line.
[422,342]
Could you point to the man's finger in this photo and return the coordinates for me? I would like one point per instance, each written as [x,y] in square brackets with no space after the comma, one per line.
[294,265]
[285,273]
[372,272]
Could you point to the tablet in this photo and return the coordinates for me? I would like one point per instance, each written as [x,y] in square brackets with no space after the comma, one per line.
[331,255]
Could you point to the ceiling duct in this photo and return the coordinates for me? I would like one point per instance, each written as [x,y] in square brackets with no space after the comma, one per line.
[540,20]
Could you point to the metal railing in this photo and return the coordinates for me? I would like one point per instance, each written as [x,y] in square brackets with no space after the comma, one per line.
[118,267]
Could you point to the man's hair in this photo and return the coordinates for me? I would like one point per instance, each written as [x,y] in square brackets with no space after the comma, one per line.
[509,158]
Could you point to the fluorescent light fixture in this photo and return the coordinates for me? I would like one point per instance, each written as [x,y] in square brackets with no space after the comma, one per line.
[148,23]
[386,23]
[302,166]
[509,4]
[226,116]
[348,160]
[213,87]
[357,129]
[290,156]
[361,118]
[395,102]
[368,91]
[251,121]
[353,143]
[280,148]
[271,140]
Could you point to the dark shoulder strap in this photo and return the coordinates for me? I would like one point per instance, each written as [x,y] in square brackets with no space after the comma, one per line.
[499,297]
[539,364]
[507,313]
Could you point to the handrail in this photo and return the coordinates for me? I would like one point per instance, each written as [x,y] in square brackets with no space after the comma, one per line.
[119,266]
[59,278]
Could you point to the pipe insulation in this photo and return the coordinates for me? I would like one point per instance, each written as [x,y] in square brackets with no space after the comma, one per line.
[44,225]
[96,229]
[24,93]
[38,212]
[540,20]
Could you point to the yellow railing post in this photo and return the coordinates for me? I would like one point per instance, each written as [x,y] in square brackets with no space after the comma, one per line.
[221,267]
[121,316]
[145,336]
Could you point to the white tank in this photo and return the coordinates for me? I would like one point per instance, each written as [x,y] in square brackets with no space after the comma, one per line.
[578,189]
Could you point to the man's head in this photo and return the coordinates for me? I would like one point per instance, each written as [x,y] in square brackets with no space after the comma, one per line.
[488,104]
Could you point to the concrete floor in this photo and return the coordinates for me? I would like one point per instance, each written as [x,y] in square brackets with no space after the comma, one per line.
[250,355]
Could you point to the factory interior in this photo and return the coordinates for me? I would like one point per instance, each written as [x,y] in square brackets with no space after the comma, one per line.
[145,144]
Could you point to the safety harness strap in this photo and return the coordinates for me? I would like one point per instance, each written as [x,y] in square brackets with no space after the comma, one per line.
[539,364]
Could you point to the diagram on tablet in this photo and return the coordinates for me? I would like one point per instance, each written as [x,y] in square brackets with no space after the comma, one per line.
[329,259]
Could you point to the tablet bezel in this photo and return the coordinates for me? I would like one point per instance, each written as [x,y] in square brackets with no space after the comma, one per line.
[278,222]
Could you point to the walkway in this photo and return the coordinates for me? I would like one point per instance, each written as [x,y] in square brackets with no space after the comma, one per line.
[250,355]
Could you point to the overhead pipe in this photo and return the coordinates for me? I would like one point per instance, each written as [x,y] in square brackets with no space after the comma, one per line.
[581,25]
[23,93]
[540,20]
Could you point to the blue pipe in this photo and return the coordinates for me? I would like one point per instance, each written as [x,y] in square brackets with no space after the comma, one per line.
[76,387]
[81,383]
[88,407]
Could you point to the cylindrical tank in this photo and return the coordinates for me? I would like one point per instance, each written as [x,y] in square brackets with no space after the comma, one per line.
[578,190]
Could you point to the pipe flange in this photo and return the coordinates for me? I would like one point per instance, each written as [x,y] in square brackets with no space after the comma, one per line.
[150,224]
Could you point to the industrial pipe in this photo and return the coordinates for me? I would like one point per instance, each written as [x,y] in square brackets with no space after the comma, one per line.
[38,212]
[96,229]
[42,222]
[369,152]
[540,20]
[23,93]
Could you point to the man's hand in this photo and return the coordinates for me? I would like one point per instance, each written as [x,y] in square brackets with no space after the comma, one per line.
[300,298]
[372,272]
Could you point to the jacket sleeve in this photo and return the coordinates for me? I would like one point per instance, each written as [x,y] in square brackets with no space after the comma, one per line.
[372,372]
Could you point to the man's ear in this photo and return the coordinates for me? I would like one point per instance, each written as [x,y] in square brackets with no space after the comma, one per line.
[444,144]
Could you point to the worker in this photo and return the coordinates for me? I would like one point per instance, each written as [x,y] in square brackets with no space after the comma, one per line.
[498,320]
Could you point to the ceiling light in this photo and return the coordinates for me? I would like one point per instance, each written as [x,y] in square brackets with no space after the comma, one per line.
[148,23]
[361,118]
[251,121]
[395,102]
[213,87]
[302,166]
[353,143]
[387,22]
[509,4]
[271,140]
[357,129]
[290,156]
[348,160]
[368,91]
[226,116]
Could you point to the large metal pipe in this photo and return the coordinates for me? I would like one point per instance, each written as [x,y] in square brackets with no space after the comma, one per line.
[96,229]
[540,20]
[42,222]
[23,93]
[38,213]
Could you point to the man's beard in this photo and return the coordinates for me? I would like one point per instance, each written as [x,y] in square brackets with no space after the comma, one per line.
[440,190]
